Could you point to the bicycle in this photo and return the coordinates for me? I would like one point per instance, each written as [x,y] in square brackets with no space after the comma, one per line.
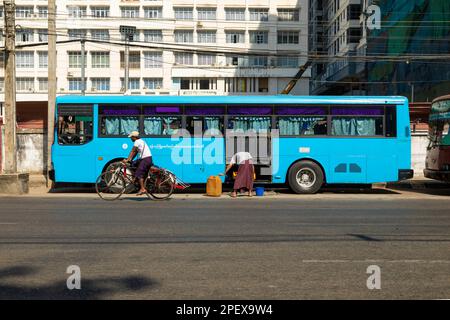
[118,179]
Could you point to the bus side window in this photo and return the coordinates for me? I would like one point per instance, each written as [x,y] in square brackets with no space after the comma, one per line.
[391,121]
[74,129]
[206,125]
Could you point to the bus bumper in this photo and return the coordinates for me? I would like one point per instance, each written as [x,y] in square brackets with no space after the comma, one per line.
[437,175]
[405,174]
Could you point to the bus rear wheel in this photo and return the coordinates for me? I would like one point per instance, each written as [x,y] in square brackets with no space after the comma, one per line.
[305,177]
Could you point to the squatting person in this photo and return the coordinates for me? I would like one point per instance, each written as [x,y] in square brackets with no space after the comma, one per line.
[245,174]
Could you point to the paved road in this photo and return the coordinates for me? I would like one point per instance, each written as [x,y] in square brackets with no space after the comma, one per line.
[280,248]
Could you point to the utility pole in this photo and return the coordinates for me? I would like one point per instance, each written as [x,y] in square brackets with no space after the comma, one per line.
[127,32]
[10,87]
[127,61]
[83,67]
[51,83]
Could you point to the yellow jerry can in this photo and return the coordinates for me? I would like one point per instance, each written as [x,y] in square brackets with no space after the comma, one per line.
[214,186]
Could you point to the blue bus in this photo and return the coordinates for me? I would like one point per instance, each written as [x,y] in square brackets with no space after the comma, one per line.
[304,142]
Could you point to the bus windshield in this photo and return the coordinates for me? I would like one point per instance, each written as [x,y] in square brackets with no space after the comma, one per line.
[440,123]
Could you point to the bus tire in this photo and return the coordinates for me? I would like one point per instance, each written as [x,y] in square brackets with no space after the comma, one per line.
[305,177]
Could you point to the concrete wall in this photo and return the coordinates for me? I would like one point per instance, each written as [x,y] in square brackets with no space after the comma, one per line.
[30,150]
[419,143]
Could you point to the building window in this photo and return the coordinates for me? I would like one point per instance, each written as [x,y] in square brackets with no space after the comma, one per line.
[100,34]
[135,37]
[153,59]
[25,84]
[235,14]
[43,35]
[206,13]
[76,34]
[24,11]
[43,84]
[287,37]
[75,59]
[184,36]
[133,83]
[354,35]
[100,12]
[76,11]
[244,85]
[259,37]
[100,84]
[286,61]
[198,84]
[153,83]
[75,84]
[43,59]
[235,36]
[184,58]
[134,60]
[25,59]
[288,14]
[153,35]
[206,36]
[206,59]
[152,12]
[257,61]
[24,36]
[100,59]
[259,14]
[263,84]
[43,12]
[183,13]
[354,11]
[130,12]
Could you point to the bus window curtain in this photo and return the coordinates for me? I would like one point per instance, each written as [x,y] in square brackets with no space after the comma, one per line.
[128,124]
[259,124]
[353,127]
[153,126]
[168,130]
[212,124]
[121,125]
[294,126]
[112,126]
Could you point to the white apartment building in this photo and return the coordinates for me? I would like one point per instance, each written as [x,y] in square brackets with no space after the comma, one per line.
[181,46]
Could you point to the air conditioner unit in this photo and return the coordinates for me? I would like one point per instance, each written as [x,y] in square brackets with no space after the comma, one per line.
[94,89]
[199,25]
[69,74]
[1,89]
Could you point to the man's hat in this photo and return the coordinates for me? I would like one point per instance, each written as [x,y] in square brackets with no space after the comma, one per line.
[134,134]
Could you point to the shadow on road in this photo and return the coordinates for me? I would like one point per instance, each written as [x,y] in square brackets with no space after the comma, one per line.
[91,289]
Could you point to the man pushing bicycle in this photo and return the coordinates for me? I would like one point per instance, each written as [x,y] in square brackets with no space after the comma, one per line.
[144,161]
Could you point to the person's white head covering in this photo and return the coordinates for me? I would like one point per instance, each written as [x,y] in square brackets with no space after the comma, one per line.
[134,134]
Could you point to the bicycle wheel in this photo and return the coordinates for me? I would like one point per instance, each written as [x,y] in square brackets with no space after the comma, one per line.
[128,176]
[160,185]
[110,185]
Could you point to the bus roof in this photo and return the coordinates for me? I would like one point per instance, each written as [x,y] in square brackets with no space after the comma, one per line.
[447,97]
[272,99]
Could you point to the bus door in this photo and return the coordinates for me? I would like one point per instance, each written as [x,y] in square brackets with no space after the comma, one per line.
[73,147]
[207,147]
[251,134]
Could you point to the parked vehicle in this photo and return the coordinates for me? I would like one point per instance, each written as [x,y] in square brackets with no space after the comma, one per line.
[437,163]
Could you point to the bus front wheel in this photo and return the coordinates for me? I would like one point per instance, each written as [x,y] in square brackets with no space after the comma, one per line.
[305,177]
